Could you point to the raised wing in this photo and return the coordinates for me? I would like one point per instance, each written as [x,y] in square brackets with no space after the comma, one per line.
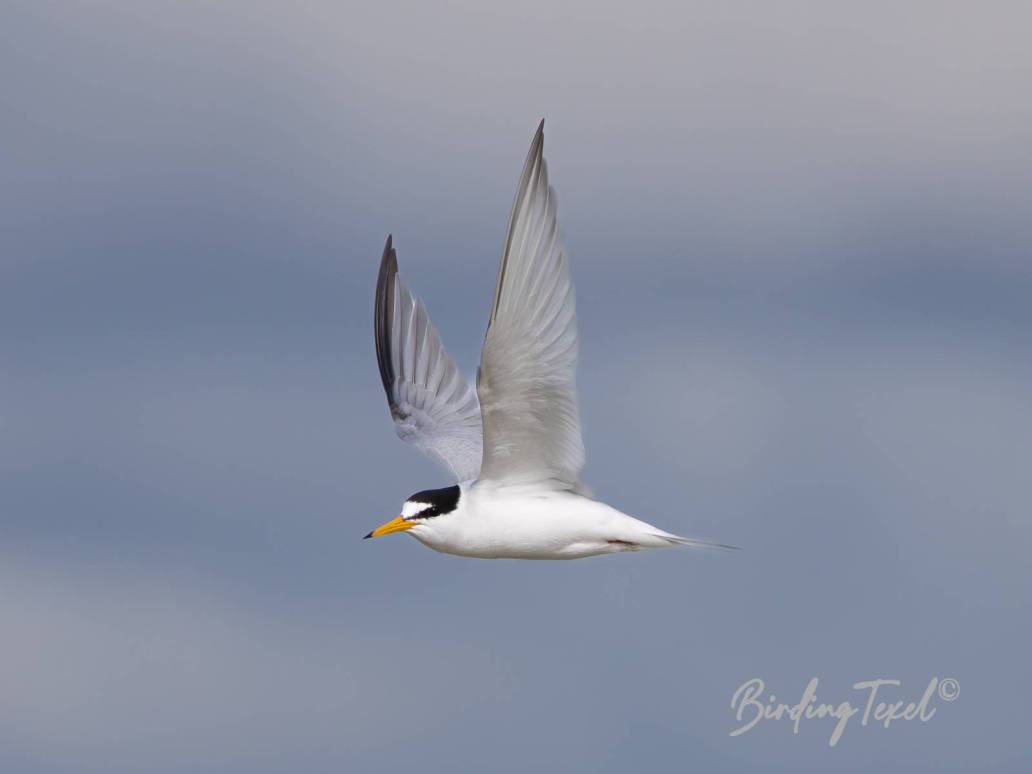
[432,404]
[526,380]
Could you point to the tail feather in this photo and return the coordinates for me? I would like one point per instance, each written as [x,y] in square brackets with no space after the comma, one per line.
[683,541]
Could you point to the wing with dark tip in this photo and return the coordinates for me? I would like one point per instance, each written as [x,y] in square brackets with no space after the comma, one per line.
[526,379]
[432,404]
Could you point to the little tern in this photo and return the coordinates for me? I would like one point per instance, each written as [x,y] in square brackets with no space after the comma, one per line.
[513,445]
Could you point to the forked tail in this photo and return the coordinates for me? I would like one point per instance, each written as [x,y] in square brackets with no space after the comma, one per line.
[677,540]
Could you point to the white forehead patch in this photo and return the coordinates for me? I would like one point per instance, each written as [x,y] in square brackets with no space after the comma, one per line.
[413,509]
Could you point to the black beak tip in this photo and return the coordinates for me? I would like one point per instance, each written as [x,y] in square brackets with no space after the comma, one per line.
[368,536]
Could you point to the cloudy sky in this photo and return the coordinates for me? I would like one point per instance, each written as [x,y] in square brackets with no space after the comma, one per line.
[801,239]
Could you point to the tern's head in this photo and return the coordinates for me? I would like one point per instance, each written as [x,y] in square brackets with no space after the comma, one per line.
[420,510]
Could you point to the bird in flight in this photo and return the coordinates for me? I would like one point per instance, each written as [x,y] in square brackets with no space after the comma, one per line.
[513,445]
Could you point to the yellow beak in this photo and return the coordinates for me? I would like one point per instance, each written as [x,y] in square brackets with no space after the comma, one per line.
[394,525]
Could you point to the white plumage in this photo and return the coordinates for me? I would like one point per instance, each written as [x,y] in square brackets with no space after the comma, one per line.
[516,452]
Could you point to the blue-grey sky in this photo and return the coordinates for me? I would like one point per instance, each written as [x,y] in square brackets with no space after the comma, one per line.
[801,238]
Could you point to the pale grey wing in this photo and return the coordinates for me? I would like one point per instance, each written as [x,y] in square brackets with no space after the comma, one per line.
[526,380]
[432,403]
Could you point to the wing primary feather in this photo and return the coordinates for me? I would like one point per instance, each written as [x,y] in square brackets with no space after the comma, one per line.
[432,405]
[384,314]
[530,166]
